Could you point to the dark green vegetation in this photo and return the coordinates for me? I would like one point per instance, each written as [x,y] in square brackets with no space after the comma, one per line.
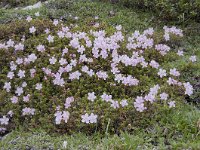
[167,129]
[179,11]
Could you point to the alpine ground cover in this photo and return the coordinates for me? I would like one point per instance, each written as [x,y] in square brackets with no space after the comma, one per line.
[34,33]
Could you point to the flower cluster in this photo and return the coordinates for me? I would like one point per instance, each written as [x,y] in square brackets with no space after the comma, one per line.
[62,75]
[89,118]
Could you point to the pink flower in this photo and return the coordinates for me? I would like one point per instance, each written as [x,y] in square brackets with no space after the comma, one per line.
[107,98]
[91,96]
[162,73]
[188,88]
[21,74]
[171,104]
[50,39]
[85,118]
[139,104]
[32,29]
[174,72]
[154,64]
[41,48]
[19,91]
[14,99]
[164,96]
[124,103]
[68,102]
[26,98]
[19,47]
[52,60]
[28,111]
[10,75]
[102,74]
[89,119]
[7,86]
[10,43]
[74,75]
[114,104]
[38,86]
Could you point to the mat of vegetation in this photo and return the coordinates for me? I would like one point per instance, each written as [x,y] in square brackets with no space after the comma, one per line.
[86,67]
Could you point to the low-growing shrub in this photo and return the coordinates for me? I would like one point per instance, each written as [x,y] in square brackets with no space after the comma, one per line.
[68,78]
[168,10]
[17,3]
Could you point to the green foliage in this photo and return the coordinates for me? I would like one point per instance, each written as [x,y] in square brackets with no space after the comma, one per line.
[19,3]
[168,10]
[46,101]
[175,129]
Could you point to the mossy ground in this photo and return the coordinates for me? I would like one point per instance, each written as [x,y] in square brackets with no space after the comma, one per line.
[176,129]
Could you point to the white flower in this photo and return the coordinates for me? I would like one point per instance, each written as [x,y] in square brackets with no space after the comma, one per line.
[50,38]
[89,119]
[52,60]
[38,86]
[193,58]
[63,61]
[19,61]
[85,118]
[19,91]
[41,48]
[162,73]
[47,31]
[4,120]
[10,43]
[21,74]
[65,144]
[13,66]
[65,116]
[91,96]
[32,29]
[32,57]
[14,99]
[29,18]
[7,86]
[124,103]
[93,118]
[55,22]
[10,75]
[76,18]
[10,113]
[174,72]
[68,102]
[37,14]
[119,27]
[26,98]
[180,53]
[19,47]
[171,104]
[154,64]
[24,84]
[61,34]
[32,72]
[74,75]
[164,96]
[28,111]
[58,116]
[188,88]
[115,104]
